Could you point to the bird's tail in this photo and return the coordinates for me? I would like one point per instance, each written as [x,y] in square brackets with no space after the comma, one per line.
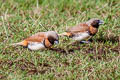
[22,43]
[65,34]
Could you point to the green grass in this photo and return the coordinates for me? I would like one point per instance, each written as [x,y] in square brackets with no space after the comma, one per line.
[99,60]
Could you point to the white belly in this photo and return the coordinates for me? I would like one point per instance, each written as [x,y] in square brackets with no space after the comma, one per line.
[81,36]
[36,46]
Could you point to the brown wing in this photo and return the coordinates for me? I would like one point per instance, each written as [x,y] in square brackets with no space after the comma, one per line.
[79,28]
[38,37]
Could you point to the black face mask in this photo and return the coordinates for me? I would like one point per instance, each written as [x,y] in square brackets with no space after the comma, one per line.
[51,39]
[95,23]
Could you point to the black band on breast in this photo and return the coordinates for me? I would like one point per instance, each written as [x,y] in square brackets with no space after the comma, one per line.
[90,33]
[44,43]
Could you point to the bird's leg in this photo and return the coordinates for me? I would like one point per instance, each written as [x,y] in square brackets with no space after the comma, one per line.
[88,41]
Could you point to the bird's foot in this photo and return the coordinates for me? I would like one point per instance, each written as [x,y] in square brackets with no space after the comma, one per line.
[86,42]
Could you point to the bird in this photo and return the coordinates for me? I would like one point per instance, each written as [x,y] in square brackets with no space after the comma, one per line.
[39,41]
[84,30]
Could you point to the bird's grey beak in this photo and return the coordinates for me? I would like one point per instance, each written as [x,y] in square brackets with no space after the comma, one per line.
[101,22]
[56,42]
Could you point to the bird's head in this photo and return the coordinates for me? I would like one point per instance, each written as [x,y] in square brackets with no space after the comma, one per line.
[95,22]
[53,37]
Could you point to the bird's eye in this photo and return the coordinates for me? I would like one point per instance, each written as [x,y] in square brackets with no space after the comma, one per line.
[97,21]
